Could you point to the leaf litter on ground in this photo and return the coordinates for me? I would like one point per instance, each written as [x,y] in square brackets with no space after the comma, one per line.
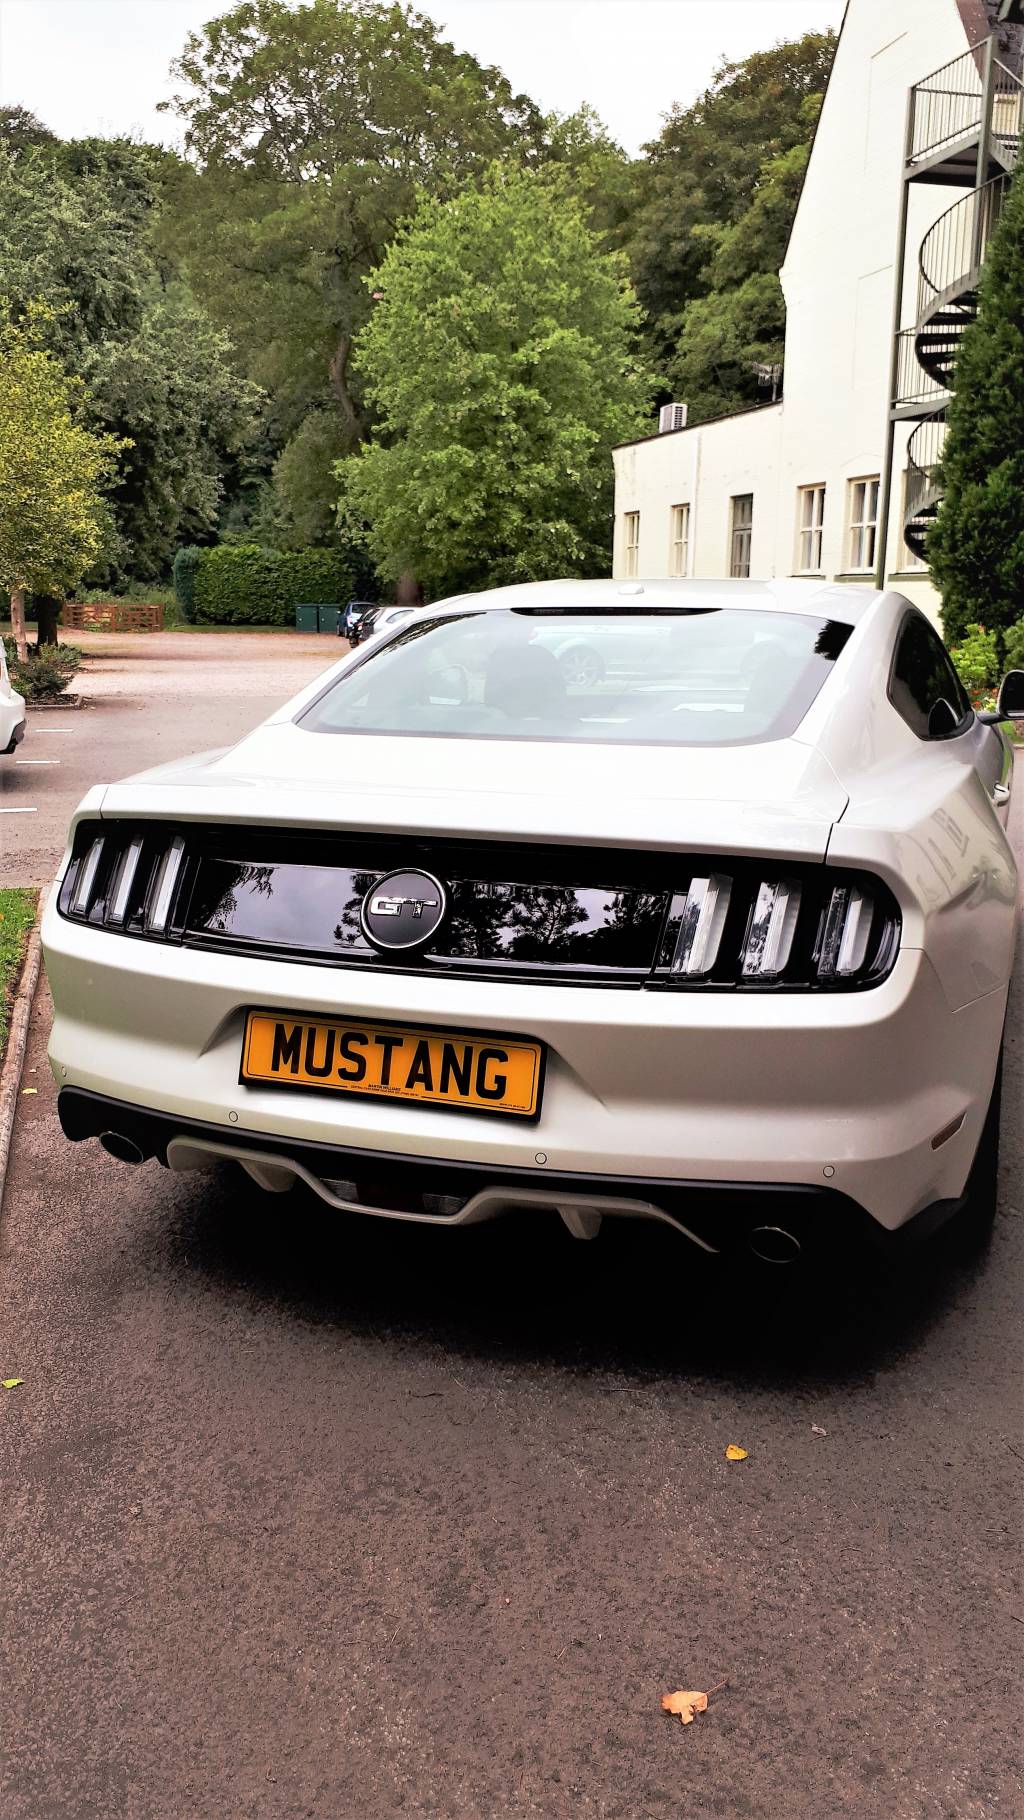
[685,1704]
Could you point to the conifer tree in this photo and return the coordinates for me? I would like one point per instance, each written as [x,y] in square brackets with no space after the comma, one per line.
[976,545]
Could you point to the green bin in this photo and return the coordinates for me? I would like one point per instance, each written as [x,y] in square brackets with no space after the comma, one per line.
[329,617]
[307,617]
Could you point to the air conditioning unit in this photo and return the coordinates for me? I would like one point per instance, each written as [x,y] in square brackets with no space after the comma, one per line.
[671,417]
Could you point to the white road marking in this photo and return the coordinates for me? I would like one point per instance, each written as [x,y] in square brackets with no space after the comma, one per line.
[54,729]
[18,812]
[37,761]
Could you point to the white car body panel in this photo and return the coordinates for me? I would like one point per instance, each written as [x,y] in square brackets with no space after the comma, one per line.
[591,794]
[12,710]
[845,1090]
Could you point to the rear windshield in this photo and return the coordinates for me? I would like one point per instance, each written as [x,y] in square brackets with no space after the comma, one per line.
[716,677]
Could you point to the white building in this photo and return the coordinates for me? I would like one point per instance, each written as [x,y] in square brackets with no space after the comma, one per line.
[923,111]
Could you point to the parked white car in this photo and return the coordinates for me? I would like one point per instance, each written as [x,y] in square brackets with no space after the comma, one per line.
[12,710]
[716,929]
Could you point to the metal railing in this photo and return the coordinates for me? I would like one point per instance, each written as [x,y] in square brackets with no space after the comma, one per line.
[954,246]
[913,384]
[947,106]
[1008,115]
[924,452]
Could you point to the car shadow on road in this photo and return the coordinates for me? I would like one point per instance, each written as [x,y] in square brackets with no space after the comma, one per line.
[638,1300]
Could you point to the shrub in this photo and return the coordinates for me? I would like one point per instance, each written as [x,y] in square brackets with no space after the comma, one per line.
[976,545]
[183,574]
[976,657]
[247,585]
[46,672]
[1013,646]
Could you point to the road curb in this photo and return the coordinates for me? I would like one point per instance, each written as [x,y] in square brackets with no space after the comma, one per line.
[17,1043]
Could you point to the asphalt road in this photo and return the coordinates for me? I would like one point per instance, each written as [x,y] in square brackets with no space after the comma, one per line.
[148,698]
[304,1517]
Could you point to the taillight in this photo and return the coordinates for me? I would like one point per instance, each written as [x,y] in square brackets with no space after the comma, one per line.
[85,879]
[846,931]
[701,922]
[123,880]
[800,928]
[768,943]
[124,877]
[159,907]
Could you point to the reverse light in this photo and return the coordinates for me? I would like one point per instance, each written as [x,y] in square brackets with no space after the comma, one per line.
[702,919]
[770,931]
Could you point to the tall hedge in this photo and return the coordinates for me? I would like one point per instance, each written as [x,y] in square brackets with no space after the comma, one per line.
[247,585]
[183,575]
[976,545]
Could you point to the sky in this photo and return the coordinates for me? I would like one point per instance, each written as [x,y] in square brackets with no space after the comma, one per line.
[100,66]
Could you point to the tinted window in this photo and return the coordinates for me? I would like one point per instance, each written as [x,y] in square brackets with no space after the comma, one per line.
[924,683]
[711,677]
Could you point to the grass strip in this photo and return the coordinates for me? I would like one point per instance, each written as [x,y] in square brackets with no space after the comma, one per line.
[17,914]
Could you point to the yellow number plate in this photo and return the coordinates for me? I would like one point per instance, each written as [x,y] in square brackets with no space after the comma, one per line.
[434,1067]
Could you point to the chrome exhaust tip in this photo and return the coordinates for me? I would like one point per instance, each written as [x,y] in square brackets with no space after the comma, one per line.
[124,1148]
[774,1245]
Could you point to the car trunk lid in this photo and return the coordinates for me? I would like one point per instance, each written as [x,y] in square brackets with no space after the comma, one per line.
[777,797]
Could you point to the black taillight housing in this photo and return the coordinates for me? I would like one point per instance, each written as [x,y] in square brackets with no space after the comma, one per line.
[669,922]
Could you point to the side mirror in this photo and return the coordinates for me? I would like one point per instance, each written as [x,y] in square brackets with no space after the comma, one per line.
[1009,701]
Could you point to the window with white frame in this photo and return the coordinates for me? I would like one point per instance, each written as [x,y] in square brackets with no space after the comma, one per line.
[809,521]
[631,543]
[741,525]
[679,553]
[862,523]
[909,558]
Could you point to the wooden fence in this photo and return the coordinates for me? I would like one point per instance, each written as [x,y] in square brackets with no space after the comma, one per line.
[110,616]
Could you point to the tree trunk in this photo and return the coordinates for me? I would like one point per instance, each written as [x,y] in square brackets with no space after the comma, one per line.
[408,592]
[339,384]
[18,623]
[47,609]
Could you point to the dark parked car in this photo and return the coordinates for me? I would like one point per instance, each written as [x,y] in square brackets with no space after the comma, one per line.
[356,623]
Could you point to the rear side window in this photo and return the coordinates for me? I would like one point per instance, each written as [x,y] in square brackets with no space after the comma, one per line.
[924,688]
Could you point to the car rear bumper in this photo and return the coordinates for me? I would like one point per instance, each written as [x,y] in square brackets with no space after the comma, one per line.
[775,1221]
[877,1097]
[12,724]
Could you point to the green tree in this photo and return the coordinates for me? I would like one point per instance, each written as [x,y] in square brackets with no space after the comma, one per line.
[20,129]
[501,358]
[53,470]
[716,196]
[583,162]
[722,337]
[174,390]
[314,128]
[976,545]
[77,228]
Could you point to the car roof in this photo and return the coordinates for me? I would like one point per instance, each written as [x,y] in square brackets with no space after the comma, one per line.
[824,600]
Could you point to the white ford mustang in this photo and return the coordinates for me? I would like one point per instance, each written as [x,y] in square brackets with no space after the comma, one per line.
[682,900]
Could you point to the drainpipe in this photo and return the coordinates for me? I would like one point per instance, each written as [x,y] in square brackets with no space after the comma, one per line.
[885,484]
[984,152]
[691,555]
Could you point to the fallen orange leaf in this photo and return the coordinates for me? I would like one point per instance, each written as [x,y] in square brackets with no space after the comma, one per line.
[685,1705]
[733,1452]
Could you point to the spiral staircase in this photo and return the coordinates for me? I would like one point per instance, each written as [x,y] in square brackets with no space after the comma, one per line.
[964,128]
